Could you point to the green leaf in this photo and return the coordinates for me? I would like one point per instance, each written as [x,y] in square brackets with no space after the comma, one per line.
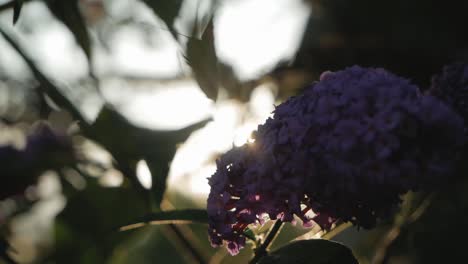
[314,251]
[185,216]
[68,13]
[17,10]
[201,56]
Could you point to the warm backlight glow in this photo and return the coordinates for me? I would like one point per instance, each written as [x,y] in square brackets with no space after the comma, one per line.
[143,174]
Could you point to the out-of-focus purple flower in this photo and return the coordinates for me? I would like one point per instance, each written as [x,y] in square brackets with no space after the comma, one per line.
[452,87]
[48,148]
[346,148]
[45,149]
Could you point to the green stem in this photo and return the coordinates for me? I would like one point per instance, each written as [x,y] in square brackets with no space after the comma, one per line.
[197,256]
[261,251]
[340,227]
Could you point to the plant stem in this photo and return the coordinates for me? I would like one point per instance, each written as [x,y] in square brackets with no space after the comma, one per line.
[262,250]
[187,242]
[340,227]
[197,256]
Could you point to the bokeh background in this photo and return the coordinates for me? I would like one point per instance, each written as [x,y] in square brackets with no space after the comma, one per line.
[149,94]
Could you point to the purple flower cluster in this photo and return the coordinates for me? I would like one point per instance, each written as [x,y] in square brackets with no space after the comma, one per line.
[346,148]
[451,86]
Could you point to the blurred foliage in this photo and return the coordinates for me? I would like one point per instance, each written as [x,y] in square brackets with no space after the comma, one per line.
[201,56]
[316,251]
[82,230]
[413,39]
[432,234]
[68,12]
[167,11]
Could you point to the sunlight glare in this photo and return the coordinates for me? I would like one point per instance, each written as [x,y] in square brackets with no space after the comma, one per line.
[243,133]
[252,44]
[232,126]
[144,174]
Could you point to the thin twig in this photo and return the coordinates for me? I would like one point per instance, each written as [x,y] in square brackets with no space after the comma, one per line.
[262,250]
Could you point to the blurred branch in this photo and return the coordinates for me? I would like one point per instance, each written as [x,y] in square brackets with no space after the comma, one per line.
[12,4]
[45,85]
[7,5]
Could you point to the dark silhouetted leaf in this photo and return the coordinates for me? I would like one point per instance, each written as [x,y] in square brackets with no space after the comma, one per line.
[314,251]
[201,56]
[129,144]
[167,11]
[185,216]
[17,10]
[69,13]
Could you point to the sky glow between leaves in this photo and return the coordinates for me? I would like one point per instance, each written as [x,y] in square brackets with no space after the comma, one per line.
[250,45]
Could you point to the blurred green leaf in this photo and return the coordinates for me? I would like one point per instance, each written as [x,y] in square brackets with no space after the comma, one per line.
[17,10]
[314,251]
[84,229]
[167,11]
[169,217]
[96,209]
[201,56]
[46,86]
[4,246]
[68,12]
[126,142]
